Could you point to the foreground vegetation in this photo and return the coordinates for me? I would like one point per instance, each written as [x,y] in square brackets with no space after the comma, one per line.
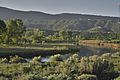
[104,67]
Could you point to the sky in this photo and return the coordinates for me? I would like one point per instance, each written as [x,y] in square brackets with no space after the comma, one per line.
[94,7]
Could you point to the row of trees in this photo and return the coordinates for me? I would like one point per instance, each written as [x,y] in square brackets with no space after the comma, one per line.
[14,32]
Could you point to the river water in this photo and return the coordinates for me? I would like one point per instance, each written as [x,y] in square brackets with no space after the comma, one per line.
[85,50]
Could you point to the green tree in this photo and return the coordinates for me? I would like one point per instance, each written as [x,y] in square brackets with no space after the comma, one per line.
[2,30]
[63,35]
[100,23]
[2,26]
[37,36]
[15,31]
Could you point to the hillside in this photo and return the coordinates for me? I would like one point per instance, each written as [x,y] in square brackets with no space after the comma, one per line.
[69,21]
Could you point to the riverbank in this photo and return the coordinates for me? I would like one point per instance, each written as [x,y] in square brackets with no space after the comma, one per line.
[30,51]
[103,43]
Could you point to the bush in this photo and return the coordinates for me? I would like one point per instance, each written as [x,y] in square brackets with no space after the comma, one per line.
[17,59]
[117,54]
[4,60]
[56,77]
[87,77]
[106,55]
[73,68]
[36,59]
[30,77]
[26,69]
[3,78]
[118,78]
[55,58]
[74,58]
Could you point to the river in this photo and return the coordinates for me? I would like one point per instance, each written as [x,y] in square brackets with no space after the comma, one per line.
[89,50]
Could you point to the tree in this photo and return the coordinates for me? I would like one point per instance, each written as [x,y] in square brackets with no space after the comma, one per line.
[63,34]
[109,24]
[15,30]
[100,23]
[2,30]
[2,26]
[37,36]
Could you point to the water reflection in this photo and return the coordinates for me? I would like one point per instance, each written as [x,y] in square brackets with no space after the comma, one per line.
[86,50]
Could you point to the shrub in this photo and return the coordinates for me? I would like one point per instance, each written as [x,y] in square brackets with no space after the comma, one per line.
[74,58]
[31,77]
[36,59]
[17,59]
[3,78]
[55,58]
[117,54]
[4,60]
[106,55]
[56,77]
[87,77]
[118,78]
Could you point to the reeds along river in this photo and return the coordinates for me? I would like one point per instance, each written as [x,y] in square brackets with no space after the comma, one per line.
[89,50]
[82,50]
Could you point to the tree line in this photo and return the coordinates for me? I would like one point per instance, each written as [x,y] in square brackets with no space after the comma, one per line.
[14,32]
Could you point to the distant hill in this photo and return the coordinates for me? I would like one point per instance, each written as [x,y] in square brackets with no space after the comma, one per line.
[69,21]
[6,13]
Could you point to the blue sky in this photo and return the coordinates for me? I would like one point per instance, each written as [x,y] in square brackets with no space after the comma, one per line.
[99,7]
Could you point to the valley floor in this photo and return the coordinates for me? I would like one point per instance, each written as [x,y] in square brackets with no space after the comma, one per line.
[103,43]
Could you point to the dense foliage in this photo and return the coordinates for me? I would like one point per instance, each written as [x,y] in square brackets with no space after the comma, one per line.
[14,32]
[56,68]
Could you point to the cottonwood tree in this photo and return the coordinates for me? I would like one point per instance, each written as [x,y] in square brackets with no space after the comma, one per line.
[2,26]
[2,30]
[15,30]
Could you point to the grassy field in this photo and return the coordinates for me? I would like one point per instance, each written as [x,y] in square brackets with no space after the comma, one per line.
[104,43]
